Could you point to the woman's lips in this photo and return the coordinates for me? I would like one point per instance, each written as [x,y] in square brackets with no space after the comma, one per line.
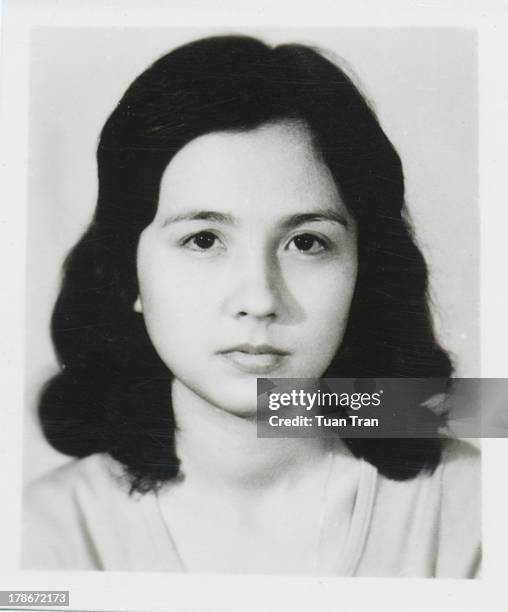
[260,359]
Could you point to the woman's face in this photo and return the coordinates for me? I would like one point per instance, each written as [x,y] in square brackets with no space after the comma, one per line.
[249,266]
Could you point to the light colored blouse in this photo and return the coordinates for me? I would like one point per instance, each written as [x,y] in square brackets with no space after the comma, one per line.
[81,517]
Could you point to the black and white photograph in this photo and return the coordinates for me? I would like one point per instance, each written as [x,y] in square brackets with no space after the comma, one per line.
[208,206]
[250,222]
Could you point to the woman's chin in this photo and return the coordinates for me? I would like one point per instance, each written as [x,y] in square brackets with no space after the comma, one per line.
[233,397]
[240,404]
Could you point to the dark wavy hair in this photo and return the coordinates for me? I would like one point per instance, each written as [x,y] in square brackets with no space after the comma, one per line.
[112,391]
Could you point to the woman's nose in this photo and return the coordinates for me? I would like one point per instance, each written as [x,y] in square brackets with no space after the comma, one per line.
[256,290]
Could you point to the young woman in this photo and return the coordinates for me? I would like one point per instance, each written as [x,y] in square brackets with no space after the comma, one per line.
[250,223]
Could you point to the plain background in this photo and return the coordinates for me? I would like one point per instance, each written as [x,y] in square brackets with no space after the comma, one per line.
[421,81]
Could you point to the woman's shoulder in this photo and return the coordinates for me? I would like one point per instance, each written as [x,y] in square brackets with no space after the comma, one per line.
[459,467]
[60,506]
[457,477]
[461,482]
[96,479]
[460,519]
[440,511]
[94,470]
[83,516]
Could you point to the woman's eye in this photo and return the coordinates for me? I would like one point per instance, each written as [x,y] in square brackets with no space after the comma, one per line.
[307,243]
[204,241]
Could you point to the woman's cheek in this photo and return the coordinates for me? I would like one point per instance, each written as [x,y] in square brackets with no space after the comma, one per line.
[327,304]
[328,288]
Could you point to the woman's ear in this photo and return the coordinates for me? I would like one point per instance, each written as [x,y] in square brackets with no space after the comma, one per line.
[137,305]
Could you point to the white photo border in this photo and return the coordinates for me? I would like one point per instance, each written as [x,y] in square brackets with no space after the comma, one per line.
[163,592]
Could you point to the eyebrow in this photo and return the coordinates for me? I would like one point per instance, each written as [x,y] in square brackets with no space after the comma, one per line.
[287,223]
[326,215]
[200,215]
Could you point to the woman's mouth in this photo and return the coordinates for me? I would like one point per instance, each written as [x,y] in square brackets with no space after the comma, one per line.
[255,359]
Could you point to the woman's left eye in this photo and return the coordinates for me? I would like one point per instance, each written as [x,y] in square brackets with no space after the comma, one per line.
[307,243]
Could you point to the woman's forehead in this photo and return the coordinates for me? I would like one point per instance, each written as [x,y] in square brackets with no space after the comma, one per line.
[272,169]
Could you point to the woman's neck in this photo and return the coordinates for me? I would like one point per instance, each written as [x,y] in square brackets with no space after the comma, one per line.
[221,450]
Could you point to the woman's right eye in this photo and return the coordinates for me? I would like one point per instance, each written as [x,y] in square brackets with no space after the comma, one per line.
[202,241]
